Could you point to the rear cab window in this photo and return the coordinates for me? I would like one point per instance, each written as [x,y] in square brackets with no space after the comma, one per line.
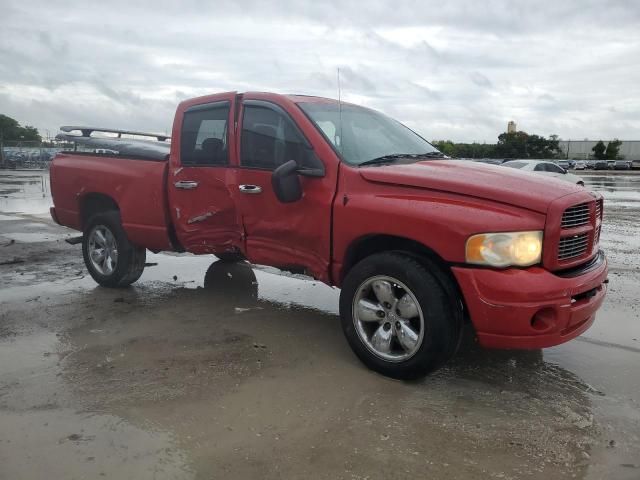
[204,135]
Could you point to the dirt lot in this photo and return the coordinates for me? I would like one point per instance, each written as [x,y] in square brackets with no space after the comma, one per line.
[205,370]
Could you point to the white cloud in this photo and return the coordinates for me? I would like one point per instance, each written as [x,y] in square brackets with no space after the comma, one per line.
[457,70]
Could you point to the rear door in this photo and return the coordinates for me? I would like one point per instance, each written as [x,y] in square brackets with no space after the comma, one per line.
[294,236]
[200,181]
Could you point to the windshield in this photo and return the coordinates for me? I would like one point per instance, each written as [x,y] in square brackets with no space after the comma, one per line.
[364,134]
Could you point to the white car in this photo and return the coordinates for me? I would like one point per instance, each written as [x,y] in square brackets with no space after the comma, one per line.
[545,168]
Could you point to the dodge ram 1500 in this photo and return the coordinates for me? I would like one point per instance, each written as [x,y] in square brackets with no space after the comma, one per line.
[418,243]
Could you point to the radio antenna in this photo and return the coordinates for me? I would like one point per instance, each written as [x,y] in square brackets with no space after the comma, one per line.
[339,113]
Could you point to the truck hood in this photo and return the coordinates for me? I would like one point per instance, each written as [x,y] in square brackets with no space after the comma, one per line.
[492,182]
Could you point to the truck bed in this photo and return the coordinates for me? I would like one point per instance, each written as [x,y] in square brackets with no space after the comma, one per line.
[136,186]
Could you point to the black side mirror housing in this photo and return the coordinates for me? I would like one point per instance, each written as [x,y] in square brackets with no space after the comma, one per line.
[286,182]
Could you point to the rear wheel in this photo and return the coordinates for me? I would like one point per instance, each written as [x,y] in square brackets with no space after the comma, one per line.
[399,315]
[111,259]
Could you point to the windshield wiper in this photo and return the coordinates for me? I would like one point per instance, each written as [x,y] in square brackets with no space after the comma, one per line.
[395,156]
[434,154]
[387,159]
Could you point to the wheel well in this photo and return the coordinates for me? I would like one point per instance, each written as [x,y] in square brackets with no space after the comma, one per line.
[93,203]
[369,245]
[384,243]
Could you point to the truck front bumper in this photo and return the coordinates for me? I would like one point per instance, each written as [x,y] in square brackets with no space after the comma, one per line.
[532,308]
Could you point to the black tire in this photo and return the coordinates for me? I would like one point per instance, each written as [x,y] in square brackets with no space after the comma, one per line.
[437,298]
[131,259]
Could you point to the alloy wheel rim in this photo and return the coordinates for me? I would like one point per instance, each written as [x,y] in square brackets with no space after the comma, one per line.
[388,318]
[103,250]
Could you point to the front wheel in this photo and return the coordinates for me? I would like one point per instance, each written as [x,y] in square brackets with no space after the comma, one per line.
[110,258]
[400,315]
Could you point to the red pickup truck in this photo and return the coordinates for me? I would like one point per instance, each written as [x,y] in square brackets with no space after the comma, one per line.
[418,243]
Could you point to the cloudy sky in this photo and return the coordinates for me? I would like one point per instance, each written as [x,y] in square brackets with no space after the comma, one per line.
[449,69]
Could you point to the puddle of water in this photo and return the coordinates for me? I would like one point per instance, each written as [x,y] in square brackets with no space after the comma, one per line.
[66,444]
[201,271]
[20,358]
[45,290]
[36,237]
[25,192]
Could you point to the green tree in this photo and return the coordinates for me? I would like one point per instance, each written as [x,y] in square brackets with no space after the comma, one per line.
[11,130]
[512,145]
[599,150]
[523,145]
[465,150]
[540,147]
[613,149]
[446,146]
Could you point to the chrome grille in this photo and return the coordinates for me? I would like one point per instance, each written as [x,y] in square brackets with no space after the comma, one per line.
[596,237]
[575,216]
[571,247]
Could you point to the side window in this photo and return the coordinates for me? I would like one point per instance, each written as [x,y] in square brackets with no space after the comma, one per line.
[554,168]
[541,167]
[270,139]
[203,140]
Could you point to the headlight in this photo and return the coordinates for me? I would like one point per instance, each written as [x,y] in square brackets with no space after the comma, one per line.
[521,249]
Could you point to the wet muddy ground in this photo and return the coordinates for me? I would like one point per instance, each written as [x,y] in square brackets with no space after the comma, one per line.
[205,370]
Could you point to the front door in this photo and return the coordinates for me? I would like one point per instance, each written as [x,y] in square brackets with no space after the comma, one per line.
[293,236]
[200,185]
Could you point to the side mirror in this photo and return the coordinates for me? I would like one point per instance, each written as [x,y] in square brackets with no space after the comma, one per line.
[286,183]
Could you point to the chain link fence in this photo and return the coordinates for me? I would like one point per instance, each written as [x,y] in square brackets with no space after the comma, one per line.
[28,155]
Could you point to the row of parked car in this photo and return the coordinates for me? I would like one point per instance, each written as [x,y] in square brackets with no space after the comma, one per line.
[596,164]
[34,158]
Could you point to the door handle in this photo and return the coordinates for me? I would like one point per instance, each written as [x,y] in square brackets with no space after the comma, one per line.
[186,184]
[250,189]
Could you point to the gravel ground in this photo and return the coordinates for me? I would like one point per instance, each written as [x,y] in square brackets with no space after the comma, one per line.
[206,370]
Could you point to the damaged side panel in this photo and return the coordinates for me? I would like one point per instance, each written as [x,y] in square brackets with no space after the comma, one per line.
[200,218]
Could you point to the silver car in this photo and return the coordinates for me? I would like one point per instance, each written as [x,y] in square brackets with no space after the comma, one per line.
[545,168]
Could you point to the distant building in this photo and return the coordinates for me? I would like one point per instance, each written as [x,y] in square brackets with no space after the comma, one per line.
[511,127]
[583,149]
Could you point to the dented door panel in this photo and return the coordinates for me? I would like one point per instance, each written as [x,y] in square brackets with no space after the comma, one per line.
[202,206]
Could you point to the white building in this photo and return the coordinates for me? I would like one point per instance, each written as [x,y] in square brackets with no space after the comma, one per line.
[583,149]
